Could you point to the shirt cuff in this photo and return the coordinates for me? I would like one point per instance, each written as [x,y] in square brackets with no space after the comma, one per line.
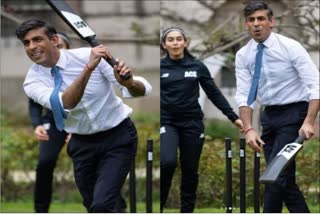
[314,96]
[244,103]
[61,103]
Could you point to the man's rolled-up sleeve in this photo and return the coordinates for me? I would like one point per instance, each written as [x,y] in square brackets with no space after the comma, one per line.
[244,79]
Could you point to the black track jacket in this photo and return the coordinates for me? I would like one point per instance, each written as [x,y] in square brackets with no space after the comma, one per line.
[179,86]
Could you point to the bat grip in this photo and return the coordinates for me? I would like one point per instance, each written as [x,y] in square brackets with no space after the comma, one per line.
[301,138]
[112,62]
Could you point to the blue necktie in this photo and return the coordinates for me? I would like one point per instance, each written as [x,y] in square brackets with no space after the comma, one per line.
[256,76]
[57,110]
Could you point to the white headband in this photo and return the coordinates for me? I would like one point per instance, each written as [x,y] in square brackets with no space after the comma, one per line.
[173,29]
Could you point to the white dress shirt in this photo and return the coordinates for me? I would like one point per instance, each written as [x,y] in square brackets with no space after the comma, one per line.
[99,109]
[288,74]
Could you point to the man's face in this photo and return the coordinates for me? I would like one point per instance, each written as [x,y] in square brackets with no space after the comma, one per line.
[39,48]
[259,25]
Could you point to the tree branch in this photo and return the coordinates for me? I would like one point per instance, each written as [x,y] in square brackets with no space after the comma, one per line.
[206,5]
[225,47]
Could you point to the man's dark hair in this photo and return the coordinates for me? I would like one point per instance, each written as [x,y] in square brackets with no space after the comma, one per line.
[253,6]
[29,25]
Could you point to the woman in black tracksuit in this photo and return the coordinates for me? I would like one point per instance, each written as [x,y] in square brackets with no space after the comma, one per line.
[181,115]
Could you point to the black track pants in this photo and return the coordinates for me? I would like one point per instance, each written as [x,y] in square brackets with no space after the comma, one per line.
[188,137]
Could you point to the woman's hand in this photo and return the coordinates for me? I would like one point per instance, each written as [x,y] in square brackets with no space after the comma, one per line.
[239,124]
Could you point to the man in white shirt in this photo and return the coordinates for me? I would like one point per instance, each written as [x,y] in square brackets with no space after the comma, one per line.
[104,139]
[280,72]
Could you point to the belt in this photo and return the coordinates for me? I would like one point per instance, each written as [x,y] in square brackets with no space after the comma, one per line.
[285,107]
[102,134]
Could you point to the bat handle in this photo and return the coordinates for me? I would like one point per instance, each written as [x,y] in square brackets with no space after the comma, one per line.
[112,62]
[92,41]
[301,138]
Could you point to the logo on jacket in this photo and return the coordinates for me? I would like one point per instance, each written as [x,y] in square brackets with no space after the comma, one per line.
[190,74]
[165,75]
[162,130]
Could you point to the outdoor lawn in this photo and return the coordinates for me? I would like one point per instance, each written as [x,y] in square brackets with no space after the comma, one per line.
[17,191]
[78,208]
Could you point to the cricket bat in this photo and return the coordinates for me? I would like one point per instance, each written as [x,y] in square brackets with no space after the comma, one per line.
[282,160]
[79,26]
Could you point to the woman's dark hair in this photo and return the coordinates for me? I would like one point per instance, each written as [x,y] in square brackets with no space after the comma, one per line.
[65,38]
[164,36]
[29,25]
[253,6]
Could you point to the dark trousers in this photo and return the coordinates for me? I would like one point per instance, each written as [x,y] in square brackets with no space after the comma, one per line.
[280,127]
[188,137]
[101,163]
[48,155]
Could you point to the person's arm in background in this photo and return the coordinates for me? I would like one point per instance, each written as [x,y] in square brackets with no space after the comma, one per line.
[35,113]
[217,98]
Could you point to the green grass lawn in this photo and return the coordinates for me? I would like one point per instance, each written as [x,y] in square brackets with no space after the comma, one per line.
[58,207]
[28,207]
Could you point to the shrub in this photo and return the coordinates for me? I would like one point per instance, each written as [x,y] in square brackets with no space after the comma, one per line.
[219,129]
[19,152]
